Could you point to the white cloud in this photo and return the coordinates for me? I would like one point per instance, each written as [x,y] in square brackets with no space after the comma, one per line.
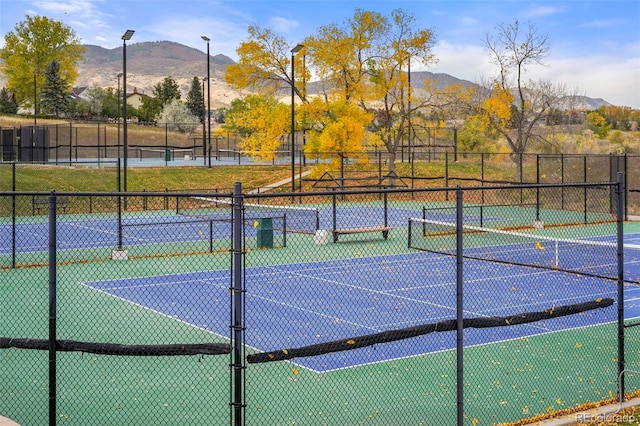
[540,11]
[613,78]
[602,23]
[468,62]
[279,24]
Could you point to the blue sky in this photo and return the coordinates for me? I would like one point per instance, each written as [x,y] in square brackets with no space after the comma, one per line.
[595,45]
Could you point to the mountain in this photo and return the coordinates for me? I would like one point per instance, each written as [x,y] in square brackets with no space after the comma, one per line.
[148,63]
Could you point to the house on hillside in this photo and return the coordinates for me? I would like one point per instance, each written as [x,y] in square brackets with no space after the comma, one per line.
[135,98]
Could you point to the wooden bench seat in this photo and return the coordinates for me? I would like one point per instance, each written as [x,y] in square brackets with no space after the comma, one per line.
[361,230]
[43,203]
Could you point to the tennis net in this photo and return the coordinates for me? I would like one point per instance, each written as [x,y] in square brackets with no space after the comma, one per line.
[304,220]
[596,257]
[167,154]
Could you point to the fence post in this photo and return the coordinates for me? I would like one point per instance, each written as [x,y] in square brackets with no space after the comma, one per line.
[459,309]
[237,303]
[620,246]
[537,188]
[584,188]
[52,308]
[13,215]
[455,144]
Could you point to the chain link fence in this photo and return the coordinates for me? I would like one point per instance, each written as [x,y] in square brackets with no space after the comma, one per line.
[478,305]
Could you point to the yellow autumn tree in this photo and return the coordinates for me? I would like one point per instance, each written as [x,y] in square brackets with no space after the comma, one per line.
[339,131]
[263,123]
[366,63]
[363,62]
[263,65]
[30,47]
[497,108]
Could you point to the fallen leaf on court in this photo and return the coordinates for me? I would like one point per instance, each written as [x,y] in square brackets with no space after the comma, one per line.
[578,345]
[474,422]
[351,342]
[295,371]
[285,351]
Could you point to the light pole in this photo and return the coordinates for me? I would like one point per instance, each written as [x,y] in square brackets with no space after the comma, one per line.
[118,101]
[204,107]
[35,110]
[208,112]
[127,36]
[293,116]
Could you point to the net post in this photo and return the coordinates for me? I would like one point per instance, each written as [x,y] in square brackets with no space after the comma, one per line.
[459,309]
[333,215]
[386,209]
[620,252]
[284,229]
[210,236]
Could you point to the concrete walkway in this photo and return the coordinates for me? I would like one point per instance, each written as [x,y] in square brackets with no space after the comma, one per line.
[607,414]
[278,184]
[7,422]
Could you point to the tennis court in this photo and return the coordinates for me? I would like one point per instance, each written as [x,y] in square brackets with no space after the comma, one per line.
[386,293]
[174,289]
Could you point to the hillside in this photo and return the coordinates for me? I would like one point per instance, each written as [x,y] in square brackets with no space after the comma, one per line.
[150,62]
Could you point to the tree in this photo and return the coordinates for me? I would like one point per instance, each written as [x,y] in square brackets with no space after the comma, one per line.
[514,106]
[149,109]
[96,99]
[33,44]
[340,130]
[195,99]
[363,63]
[8,103]
[166,91]
[599,124]
[54,96]
[263,123]
[263,65]
[177,116]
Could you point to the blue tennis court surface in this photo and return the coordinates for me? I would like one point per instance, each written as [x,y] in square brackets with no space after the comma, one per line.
[295,305]
[79,233]
[83,234]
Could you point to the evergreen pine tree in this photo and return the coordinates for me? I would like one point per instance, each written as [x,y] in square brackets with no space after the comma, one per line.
[195,100]
[54,97]
[8,103]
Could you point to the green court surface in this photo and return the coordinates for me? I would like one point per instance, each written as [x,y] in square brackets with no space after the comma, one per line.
[504,381]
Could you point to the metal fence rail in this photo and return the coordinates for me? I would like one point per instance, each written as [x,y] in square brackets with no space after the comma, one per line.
[214,307]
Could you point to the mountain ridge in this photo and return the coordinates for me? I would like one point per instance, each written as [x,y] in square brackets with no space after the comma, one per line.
[148,63]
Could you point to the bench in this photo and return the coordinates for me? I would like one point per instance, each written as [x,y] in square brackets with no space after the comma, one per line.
[361,230]
[43,203]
